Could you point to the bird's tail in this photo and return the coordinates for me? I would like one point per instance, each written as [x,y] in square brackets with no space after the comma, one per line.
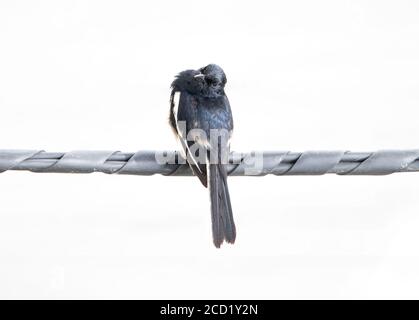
[223,227]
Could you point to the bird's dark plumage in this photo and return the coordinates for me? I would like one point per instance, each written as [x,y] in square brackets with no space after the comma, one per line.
[200,116]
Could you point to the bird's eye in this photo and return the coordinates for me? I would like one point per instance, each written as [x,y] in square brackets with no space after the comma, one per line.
[211,82]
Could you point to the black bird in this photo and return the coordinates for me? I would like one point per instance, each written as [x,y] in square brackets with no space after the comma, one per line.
[201,118]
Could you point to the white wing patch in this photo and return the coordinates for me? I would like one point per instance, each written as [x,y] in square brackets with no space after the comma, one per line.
[176,99]
[183,140]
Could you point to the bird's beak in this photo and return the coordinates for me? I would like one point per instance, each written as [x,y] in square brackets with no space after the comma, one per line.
[202,76]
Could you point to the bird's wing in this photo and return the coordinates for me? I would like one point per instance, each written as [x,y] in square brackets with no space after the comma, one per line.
[180,111]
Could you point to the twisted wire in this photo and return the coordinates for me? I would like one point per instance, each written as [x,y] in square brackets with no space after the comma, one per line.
[249,164]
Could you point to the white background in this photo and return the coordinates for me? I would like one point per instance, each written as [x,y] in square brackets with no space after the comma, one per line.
[302,75]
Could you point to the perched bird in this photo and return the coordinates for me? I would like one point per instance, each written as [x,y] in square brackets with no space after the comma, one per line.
[200,116]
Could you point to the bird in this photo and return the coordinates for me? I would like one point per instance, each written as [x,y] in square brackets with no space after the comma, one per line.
[201,119]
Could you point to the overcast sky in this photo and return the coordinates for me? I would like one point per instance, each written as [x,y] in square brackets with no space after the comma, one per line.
[302,75]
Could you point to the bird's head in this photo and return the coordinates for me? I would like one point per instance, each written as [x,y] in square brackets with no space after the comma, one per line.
[213,80]
[207,81]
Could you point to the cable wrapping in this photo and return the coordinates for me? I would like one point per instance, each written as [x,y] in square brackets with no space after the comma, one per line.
[171,163]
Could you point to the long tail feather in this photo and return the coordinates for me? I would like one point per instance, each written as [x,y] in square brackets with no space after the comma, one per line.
[223,227]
